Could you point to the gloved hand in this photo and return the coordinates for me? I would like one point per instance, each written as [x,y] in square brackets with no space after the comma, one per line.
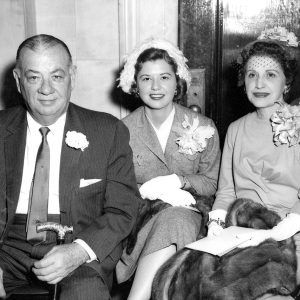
[214,229]
[178,197]
[286,228]
[155,187]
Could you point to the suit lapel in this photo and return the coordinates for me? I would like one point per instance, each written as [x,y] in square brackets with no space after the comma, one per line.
[171,146]
[69,173]
[14,148]
[148,136]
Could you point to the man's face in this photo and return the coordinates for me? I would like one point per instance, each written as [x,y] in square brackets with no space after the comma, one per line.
[45,78]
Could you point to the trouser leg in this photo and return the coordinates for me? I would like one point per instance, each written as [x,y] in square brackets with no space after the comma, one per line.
[84,283]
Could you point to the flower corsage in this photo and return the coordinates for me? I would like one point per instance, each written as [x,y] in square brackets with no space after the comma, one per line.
[280,34]
[76,140]
[286,125]
[193,138]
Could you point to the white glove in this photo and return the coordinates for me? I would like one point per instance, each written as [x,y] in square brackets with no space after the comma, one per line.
[289,226]
[214,229]
[155,187]
[178,197]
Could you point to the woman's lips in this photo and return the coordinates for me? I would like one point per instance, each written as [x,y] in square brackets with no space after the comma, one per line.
[261,95]
[156,96]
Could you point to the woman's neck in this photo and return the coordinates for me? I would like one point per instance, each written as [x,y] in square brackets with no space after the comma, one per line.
[265,113]
[158,116]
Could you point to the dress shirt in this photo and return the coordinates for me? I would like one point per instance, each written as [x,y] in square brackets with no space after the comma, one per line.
[33,141]
[163,131]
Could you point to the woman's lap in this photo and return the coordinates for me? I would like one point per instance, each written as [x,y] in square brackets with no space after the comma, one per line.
[172,226]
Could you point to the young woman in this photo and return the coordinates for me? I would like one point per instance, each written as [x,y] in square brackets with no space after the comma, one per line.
[175,153]
[257,162]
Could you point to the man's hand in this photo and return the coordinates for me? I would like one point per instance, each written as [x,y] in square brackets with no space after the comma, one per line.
[2,291]
[59,262]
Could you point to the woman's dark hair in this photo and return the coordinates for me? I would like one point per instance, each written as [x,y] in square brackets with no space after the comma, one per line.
[152,54]
[271,49]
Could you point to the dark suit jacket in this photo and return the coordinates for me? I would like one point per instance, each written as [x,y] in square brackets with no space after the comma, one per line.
[103,213]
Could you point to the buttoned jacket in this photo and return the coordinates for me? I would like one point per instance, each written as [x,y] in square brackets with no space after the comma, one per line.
[102,213]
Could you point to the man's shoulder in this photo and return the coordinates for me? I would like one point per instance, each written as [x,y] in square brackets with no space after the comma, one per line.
[9,114]
[89,115]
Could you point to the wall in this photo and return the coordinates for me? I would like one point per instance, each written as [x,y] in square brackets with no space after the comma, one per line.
[98,32]
[11,33]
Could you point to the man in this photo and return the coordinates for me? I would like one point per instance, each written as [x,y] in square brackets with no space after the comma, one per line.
[87,165]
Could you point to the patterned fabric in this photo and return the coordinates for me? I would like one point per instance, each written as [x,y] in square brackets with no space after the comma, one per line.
[174,225]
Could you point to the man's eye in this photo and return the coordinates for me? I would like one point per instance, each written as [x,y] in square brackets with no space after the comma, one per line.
[57,77]
[33,78]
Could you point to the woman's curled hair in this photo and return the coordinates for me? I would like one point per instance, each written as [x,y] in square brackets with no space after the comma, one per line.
[153,54]
[282,54]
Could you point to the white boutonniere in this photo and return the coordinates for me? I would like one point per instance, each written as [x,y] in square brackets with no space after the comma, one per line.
[76,140]
[193,138]
[286,125]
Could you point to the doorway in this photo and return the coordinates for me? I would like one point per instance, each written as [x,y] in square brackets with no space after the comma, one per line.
[213,32]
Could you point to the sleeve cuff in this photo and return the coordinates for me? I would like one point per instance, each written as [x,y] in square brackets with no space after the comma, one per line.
[218,214]
[88,249]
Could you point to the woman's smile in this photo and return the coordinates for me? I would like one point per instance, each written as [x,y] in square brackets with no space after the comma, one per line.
[261,94]
[156,96]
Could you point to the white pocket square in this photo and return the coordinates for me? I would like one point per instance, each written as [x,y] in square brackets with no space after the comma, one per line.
[87,182]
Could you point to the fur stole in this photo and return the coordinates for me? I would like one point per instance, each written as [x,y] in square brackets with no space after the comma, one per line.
[245,273]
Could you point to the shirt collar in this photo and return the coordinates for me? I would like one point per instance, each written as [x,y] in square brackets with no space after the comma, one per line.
[34,126]
[167,123]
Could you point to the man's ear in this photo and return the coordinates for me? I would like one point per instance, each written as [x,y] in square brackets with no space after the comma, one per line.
[73,73]
[16,73]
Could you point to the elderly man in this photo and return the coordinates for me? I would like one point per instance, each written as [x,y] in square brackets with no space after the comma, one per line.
[60,162]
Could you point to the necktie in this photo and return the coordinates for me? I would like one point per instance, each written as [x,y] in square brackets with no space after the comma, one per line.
[39,193]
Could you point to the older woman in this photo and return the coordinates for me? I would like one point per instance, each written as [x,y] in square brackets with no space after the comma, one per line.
[175,153]
[257,162]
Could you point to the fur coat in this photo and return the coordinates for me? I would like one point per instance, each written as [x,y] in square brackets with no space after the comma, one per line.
[243,273]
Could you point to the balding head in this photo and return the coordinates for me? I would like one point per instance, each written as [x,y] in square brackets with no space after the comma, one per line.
[39,43]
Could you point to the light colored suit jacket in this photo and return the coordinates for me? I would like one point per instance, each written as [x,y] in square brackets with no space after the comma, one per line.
[201,169]
[102,213]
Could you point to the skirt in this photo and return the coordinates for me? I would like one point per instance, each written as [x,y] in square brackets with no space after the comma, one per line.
[177,226]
